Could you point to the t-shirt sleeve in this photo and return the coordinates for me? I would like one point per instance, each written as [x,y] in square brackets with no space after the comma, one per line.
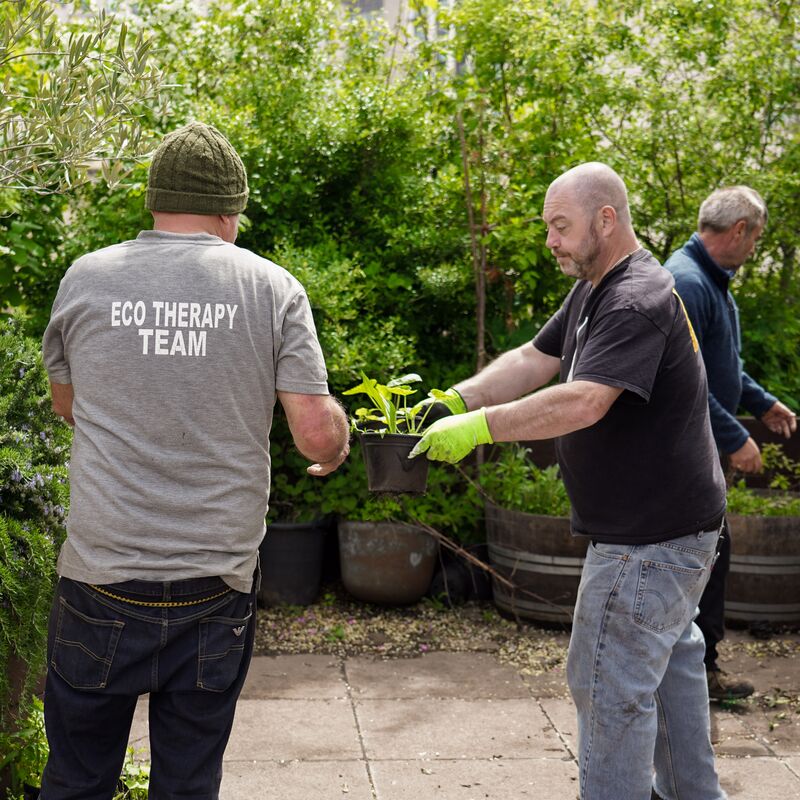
[624,349]
[53,353]
[300,366]
[548,340]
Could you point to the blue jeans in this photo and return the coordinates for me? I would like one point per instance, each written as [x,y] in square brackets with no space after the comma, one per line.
[104,652]
[635,671]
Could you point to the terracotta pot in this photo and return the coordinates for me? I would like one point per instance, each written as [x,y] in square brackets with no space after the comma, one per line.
[386,562]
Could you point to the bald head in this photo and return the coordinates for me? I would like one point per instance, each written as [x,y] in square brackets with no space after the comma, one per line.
[594,185]
[588,221]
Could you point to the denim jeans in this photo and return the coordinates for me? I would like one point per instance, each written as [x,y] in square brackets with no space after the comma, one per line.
[635,671]
[103,653]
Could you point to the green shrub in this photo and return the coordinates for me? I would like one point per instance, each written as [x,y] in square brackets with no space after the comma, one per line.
[25,750]
[514,481]
[34,447]
[781,499]
[742,500]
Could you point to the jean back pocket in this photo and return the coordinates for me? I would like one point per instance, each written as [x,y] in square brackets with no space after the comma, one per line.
[221,647]
[667,595]
[84,647]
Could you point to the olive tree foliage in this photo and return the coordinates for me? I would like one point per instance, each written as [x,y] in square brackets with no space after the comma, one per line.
[69,96]
[73,95]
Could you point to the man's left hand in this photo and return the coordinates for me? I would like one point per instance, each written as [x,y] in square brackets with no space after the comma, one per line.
[780,419]
[452,438]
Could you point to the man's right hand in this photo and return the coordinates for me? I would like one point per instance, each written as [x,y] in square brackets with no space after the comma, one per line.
[747,458]
[325,468]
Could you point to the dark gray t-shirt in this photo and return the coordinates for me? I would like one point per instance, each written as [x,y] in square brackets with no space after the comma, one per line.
[176,345]
[648,471]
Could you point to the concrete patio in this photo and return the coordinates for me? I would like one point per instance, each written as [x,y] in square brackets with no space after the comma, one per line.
[454,726]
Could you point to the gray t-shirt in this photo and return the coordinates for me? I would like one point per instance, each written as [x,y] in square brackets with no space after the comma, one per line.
[176,345]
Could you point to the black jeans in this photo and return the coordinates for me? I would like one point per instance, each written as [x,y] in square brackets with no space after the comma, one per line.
[711,619]
[104,652]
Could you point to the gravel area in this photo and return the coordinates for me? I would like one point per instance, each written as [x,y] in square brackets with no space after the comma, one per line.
[339,625]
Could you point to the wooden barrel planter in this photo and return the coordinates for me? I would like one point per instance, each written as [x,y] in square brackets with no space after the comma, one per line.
[764,580]
[541,557]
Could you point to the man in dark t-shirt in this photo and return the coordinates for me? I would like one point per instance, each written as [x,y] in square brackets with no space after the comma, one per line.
[630,419]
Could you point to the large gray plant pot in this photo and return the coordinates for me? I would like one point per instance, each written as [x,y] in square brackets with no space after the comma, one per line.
[386,562]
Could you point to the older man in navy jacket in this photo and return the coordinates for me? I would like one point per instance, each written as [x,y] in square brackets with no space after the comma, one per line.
[730,222]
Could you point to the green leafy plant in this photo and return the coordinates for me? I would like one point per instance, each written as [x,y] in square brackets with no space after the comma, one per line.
[451,504]
[390,409]
[781,499]
[514,481]
[25,750]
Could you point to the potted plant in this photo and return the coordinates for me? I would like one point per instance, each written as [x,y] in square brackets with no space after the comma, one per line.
[763,585]
[529,537]
[292,553]
[386,553]
[388,430]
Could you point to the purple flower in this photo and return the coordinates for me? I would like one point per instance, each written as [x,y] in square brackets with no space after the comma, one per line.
[22,372]
[42,435]
[16,476]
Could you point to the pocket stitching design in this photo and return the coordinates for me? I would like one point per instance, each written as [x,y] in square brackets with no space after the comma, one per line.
[106,660]
[646,568]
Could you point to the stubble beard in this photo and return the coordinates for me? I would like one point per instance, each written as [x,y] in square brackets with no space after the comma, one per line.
[583,264]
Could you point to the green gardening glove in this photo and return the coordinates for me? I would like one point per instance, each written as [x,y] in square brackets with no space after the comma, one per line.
[439,405]
[452,438]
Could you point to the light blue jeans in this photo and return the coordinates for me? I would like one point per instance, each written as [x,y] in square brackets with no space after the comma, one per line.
[635,671]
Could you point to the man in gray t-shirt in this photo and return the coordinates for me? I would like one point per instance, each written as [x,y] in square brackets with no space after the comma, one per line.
[167,354]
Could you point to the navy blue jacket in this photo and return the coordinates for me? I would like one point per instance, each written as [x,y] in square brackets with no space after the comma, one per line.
[703,286]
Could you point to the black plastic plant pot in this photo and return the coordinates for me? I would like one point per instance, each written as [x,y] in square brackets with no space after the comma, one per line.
[389,469]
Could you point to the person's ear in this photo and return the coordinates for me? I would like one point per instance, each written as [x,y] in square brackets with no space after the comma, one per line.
[608,220]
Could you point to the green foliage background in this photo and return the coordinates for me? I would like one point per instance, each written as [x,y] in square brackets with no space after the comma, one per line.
[358,139]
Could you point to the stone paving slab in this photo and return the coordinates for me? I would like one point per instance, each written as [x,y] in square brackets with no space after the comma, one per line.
[301,677]
[561,714]
[757,779]
[732,736]
[295,780]
[311,730]
[498,779]
[435,675]
[455,728]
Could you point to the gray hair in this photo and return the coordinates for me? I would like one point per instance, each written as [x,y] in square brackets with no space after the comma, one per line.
[722,209]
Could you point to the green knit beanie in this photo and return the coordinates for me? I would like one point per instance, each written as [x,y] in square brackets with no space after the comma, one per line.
[195,170]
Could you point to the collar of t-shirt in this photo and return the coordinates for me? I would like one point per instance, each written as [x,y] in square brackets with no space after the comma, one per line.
[161,237]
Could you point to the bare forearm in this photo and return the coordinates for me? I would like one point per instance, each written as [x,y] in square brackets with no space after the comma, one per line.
[514,374]
[551,412]
[62,397]
[327,438]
